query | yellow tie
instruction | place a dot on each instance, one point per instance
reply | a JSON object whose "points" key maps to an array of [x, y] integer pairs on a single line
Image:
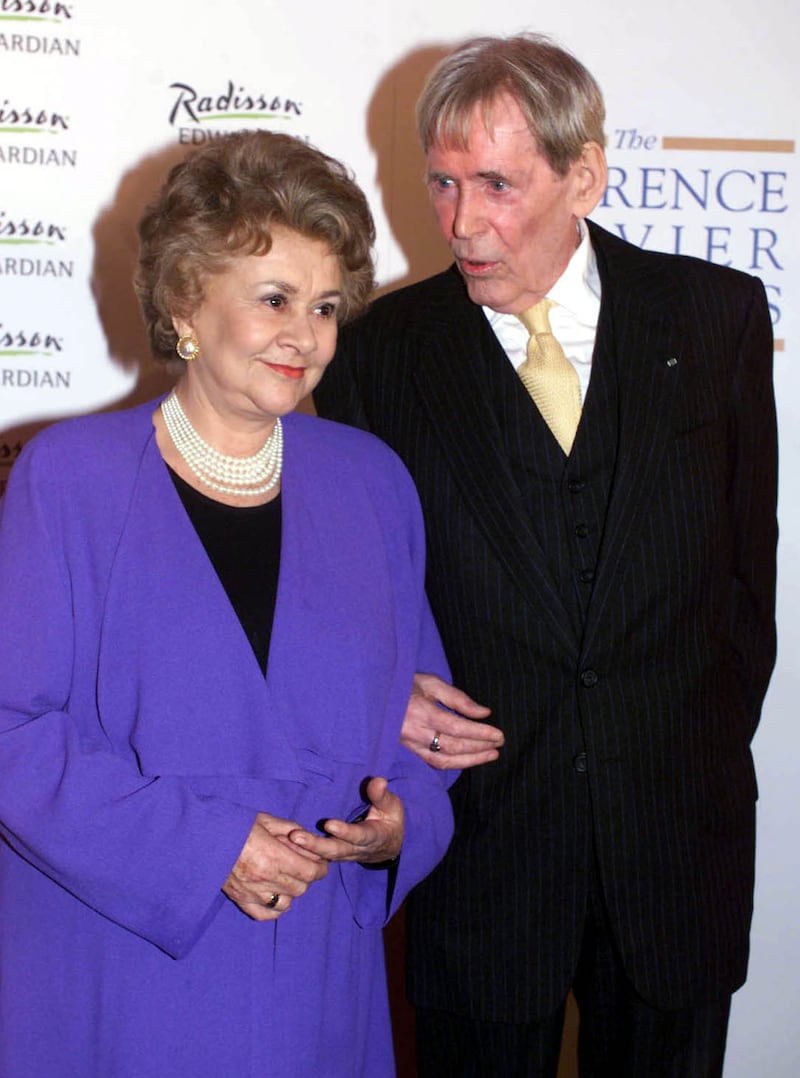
{"points": [[549, 376]]}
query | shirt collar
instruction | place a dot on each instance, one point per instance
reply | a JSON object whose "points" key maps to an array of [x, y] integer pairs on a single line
{"points": [[578, 287]]}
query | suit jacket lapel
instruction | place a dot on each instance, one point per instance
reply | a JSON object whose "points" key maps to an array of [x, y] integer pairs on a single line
{"points": [[641, 333], [445, 375]]}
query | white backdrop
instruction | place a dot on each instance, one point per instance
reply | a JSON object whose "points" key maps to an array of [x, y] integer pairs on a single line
{"points": [[97, 99]]}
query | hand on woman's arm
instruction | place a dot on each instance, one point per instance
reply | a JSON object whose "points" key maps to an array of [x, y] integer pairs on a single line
{"points": [[435, 728], [269, 865]]}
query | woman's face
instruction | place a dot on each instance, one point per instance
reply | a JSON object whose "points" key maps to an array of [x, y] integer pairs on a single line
{"points": [[266, 330]]}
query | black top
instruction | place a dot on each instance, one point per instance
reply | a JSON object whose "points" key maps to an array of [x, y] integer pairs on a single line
{"points": [[243, 544]]}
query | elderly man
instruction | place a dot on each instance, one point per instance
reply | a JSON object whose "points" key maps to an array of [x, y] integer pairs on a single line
{"points": [[592, 431]]}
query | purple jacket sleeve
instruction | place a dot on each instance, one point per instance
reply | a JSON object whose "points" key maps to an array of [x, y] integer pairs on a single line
{"points": [[145, 852]]}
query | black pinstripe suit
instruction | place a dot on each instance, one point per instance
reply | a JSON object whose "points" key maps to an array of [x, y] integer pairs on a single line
{"points": [[618, 619]]}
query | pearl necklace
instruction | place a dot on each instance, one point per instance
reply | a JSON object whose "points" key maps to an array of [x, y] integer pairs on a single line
{"points": [[248, 477]]}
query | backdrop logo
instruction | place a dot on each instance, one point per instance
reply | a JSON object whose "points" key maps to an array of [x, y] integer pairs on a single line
{"points": [[196, 112], [15, 344], [23, 120], [38, 125], [24, 231], [35, 11], [22, 26], [25, 248], [720, 199]]}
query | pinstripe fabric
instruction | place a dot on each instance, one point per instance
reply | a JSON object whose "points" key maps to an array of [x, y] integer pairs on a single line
{"points": [[656, 671]]}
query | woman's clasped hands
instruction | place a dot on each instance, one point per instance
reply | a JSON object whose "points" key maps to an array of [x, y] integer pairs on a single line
{"points": [[280, 859]]}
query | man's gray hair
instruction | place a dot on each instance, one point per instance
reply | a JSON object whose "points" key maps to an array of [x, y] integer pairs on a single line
{"points": [[560, 99]]}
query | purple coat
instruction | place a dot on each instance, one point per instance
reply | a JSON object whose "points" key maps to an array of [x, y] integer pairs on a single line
{"points": [[138, 739]]}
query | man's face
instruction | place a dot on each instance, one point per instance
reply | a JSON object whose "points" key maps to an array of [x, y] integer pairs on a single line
{"points": [[510, 220]]}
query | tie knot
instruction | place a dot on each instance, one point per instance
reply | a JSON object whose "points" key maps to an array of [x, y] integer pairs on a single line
{"points": [[535, 319]]}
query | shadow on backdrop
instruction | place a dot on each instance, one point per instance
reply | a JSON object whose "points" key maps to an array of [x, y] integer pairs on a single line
{"points": [[400, 165]]}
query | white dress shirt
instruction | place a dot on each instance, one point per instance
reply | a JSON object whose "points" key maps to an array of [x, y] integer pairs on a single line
{"points": [[574, 319]]}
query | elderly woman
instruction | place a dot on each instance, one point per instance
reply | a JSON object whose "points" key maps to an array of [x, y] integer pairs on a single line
{"points": [[212, 613]]}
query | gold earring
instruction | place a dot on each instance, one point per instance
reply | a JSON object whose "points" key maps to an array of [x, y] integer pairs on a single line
{"points": [[187, 348]]}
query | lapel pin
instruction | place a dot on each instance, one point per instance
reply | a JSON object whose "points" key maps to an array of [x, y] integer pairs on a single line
{"points": [[672, 362]]}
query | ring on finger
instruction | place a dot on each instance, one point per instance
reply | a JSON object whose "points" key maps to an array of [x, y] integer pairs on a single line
{"points": [[435, 746], [274, 900]]}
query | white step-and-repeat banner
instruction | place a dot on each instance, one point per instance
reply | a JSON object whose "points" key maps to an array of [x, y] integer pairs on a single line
{"points": [[97, 99]]}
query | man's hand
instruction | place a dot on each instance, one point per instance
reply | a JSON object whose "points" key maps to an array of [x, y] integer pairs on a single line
{"points": [[437, 731]]}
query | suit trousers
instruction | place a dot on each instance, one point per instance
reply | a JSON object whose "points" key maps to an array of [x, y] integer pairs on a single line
{"points": [[620, 1035]]}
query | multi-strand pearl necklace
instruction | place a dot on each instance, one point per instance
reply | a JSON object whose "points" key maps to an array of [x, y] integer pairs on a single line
{"points": [[249, 477]]}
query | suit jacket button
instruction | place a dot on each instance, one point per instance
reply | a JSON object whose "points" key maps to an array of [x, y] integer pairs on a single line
{"points": [[589, 679], [581, 531], [587, 576], [580, 763]]}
